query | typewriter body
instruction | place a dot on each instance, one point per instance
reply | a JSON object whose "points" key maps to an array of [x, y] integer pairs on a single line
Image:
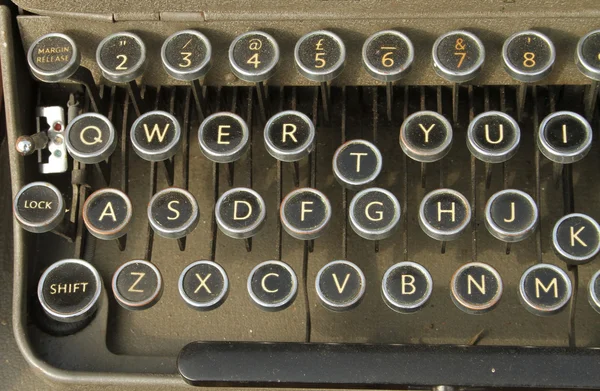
{"points": [[321, 194]]}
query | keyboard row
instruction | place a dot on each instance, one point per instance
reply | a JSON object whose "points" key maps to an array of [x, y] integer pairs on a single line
{"points": [[69, 290], [374, 214]]}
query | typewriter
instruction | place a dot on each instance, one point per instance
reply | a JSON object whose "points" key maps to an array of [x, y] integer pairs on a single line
{"points": [[320, 194]]}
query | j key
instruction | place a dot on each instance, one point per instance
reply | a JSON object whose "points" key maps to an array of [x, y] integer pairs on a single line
{"points": [[137, 285], [272, 285], [576, 238], [444, 214], [374, 213], [528, 56], [545, 289], [476, 288], [107, 213], [406, 287], [565, 137], [357, 163], [39, 207], [173, 213], [204, 285], [340, 285], [493, 137], [426, 136], [511, 215], [305, 213], [458, 56], [240, 213], [90, 138]]}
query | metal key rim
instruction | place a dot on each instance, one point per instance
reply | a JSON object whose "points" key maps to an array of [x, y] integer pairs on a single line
{"points": [[354, 184], [438, 234], [421, 155], [508, 236], [569, 258], [209, 305], [582, 64], [299, 152], [132, 72], [519, 74], [120, 229], [241, 233], [281, 304], [193, 73], [392, 303], [309, 234], [51, 222], [374, 234], [548, 310], [453, 75], [326, 75], [389, 76], [229, 156], [55, 76], [564, 157], [346, 305], [137, 305], [187, 227], [91, 157], [476, 309], [254, 76], [489, 156], [163, 153]]}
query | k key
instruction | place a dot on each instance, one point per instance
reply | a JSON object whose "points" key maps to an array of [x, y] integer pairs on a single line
{"points": [[576, 238]]}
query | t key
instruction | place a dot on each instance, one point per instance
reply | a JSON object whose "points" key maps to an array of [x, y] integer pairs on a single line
{"points": [[357, 163]]}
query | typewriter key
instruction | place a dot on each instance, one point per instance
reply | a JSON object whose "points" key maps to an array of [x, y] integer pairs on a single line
{"points": [[565, 137], [186, 55], [107, 213], [254, 56], [587, 58], [223, 137], [528, 56], [476, 288], [54, 57], [204, 285], [406, 287], [594, 291], [305, 213], [240, 213], [90, 138], [444, 214], [137, 285], [173, 213], [493, 137], [340, 285], [544, 289], [511, 215], [39, 207], [357, 163], [320, 56], [289, 136], [374, 213], [155, 136], [576, 238], [272, 285], [458, 56], [69, 290], [426, 136]]}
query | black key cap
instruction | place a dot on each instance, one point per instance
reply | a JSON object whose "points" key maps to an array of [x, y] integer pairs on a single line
{"points": [[374, 213], [545, 289], [254, 56], [223, 137], [39, 207], [357, 163], [320, 56], [340, 285], [476, 288], [426, 136], [576, 238], [289, 136], [272, 285], [137, 285], [511, 215], [458, 56], [493, 137], [156, 136], [565, 137], [444, 214], [528, 56], [173, 213], [204, 285], [305, 213], [406, 287], [240, 213], [90, 138], [387, 55], [107, 213]]}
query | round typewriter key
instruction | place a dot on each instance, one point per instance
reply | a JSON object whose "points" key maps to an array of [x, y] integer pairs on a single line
{"points": [[107, 213], [458, 56], [320, 56], [305, 213], [121, 57], [356, 163], [340, 285], [588, 55], [374, 213], [444, 214], [173, 213], [240, 213], [594, 291], [254, 56], [528, 56], [576, 238], [69, 290], [493, 137], [223, 137], [137, 285], [476, 288], [426, 136], [272, 285], [511, 215], [186, 55], [387, 55], [406, 287], [289, 136], [544, 289], [39, 207], [204, 285], [156, 136], [53, 57], [90, 138], [565, 137]]}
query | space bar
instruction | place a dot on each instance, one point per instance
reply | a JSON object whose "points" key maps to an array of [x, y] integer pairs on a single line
{"points": [[317, 365]]}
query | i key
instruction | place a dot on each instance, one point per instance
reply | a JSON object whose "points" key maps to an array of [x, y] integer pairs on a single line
{"points": [[357, 163], [173, 213], [406, 287], [90, 139], [493, 137], [587, 59], [289, 137], [203, 285], [187, 56], [458, 57], [511, 216], [545, 289], [340, 285], [254, 57], [156, 137], [272, 286], [54, 57], [528, 57], [320, 56], [107, 214], [39, 207], [223, 138], [305, 213], [426, 137], [388, 56], [137, 285], [241, 214], [476, 288], [122, 59], [444, 214], [576, 239]]}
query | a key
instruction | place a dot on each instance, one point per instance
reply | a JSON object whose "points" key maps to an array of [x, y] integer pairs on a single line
{"points": [[173, 213], [107, 214], [476, 288], [406, 287], [137, 285], [204, 285], [272, 286], [545, 289], [340, 285], [357, 163]]}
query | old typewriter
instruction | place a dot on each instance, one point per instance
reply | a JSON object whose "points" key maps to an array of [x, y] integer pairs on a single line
{"points": [[320, 194]]}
